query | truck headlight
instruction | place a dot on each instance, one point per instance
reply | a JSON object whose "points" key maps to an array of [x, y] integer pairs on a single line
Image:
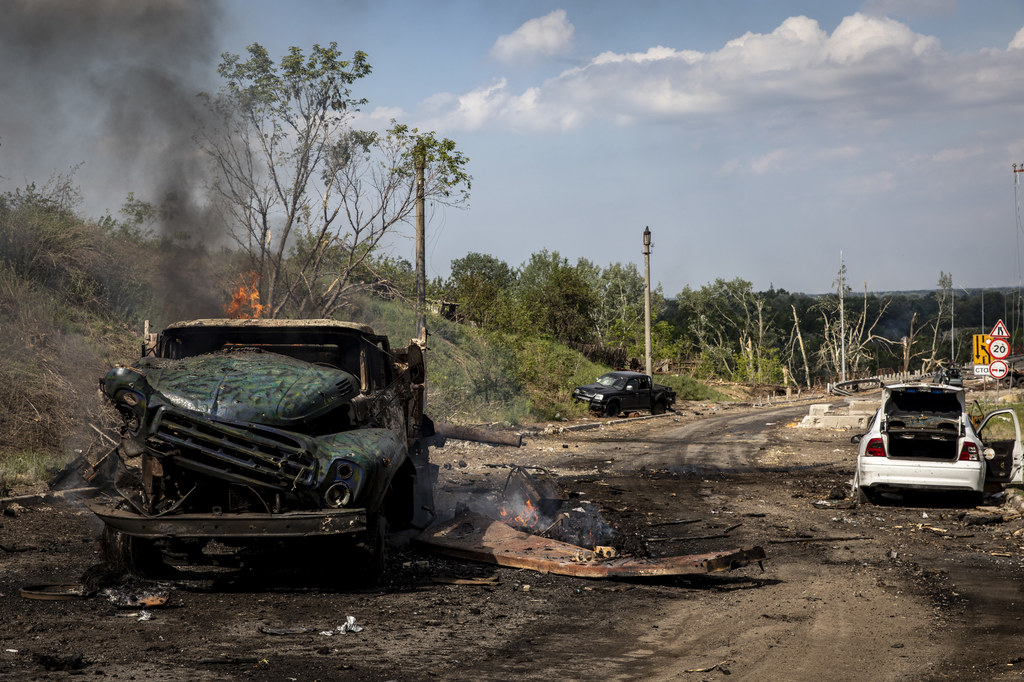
{"points": [[598, 397], [337, 496]]}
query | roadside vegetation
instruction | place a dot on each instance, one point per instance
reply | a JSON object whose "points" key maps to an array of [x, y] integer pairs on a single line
{"points": [[75, 294]]}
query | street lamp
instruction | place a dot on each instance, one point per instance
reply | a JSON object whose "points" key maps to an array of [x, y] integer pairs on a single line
{"points": [[647, 302]]}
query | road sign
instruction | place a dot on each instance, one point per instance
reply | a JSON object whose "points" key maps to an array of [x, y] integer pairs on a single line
{"points": [[998, 369], [1000, 330], [981, 354], [998, 348], [981, 370]]}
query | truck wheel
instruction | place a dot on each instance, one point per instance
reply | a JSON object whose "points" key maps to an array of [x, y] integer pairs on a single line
{"points": [[374, 550], [611, 409], [129, 554], [658, 407]]}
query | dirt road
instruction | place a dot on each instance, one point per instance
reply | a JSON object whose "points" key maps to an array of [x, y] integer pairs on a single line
{"points": [[915, 589]]}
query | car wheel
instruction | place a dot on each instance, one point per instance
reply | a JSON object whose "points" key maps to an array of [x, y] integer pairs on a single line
{"points": [[611, 409], [866, 496], [374, 549]]}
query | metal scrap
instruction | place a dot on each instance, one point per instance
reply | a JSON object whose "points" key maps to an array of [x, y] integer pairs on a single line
{"points": [[478, 538]]}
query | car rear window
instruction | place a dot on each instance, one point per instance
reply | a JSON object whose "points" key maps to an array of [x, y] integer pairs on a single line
{"points": [[928, 401]]}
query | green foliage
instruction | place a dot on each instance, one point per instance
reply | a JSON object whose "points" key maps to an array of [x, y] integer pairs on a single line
{"points": [[443, 164], [688, 388], [310, 198], [548, 371], [478, 282], [552, 299], [304, 85]]}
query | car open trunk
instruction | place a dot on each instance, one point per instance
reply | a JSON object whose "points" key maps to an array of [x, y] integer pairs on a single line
{"points": [[923, 423], [935, 444]]}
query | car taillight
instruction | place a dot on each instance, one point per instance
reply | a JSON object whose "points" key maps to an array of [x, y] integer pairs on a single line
{"points": [[875, 448], [969, 452]]}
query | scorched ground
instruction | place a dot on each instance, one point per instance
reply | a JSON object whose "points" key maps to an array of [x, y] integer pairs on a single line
{"points": [[924, 589]]}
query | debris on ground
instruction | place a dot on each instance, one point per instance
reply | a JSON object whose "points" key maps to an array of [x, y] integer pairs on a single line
{"points": [[478, 538]]}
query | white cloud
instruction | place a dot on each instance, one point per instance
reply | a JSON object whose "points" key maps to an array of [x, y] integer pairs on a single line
{"points": [[867, 72], [956, 154], [542, 37], [1018, 40], [771, 161], [787, 159], [378, 119]]}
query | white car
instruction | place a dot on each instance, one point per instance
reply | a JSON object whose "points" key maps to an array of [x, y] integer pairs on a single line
{"points": [[923, 438]]}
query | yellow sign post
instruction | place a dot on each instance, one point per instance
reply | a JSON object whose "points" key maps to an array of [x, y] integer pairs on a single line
{"points": [[981, 354]]}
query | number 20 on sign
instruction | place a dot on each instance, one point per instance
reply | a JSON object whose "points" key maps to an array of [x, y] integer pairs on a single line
{"points": [[999, 349]]}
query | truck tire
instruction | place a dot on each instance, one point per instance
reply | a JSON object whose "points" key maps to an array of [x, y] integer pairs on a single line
{"points": [[612, 409], [658, 407], [373, 551], [131, 555]]}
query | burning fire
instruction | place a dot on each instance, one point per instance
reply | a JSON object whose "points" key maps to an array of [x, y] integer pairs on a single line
{"points": [[245, 302], [526, 516]]}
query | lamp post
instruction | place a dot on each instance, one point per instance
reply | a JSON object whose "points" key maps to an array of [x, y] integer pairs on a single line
{"points": [[647, 301]]}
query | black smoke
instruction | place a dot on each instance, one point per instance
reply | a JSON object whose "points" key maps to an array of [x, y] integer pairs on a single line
{"points": [[111, 85], [110, 88]]}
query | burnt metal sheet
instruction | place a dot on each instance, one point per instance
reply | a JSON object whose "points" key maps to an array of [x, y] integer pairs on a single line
{"points": [[232, 525], [479, 538]]}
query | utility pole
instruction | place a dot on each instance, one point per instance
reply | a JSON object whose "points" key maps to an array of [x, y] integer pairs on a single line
{"points": [[421, 246], [647, 301], [842, 321]]}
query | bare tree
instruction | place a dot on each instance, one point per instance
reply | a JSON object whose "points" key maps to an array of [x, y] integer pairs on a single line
{"points": [[309, 198], [860, 336]]}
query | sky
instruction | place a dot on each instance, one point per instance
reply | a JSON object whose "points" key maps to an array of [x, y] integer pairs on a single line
{"points": [[756, 139]]}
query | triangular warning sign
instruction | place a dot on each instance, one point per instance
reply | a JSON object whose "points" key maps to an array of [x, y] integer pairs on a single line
{"points": [[1000, 330]]}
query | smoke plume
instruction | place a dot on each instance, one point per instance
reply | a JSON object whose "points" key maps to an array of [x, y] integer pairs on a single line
{"points": [[111, 85], [109, 89]]}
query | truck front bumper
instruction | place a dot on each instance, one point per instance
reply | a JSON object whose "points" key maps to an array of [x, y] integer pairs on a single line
{"points": [[295, 524]]}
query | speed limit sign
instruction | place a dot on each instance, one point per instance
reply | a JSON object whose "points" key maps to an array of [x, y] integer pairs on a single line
{"points": [[999, 349], [998, 369]]}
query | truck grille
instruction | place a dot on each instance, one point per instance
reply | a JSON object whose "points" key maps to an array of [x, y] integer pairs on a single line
{"points": [[267, 457]]}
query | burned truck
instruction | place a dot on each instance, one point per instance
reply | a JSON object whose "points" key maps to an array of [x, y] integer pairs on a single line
{"points": [[244, 431]]}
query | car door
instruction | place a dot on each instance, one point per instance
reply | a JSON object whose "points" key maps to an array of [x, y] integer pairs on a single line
{"points": [[1000, 437], [630, 400]]}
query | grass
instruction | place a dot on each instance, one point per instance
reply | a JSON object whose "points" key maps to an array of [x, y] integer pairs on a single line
{"points": [[688, 388], [29, 467]]}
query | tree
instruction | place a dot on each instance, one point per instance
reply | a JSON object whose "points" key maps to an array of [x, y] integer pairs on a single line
{"points": [[619, 315], [555, 298], [477, 282], [733, 329], [945, 302], [858, 335], [309, 198]]}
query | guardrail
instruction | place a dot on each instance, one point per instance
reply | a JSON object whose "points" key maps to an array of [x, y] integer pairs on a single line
{"points": [[851, 386]]}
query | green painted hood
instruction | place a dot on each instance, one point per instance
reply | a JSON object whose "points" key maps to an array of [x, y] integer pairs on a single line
{"points": [[248, 386]]}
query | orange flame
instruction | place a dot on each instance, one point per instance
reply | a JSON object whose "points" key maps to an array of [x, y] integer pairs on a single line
{"points": [[526, 517], [245, 302]]}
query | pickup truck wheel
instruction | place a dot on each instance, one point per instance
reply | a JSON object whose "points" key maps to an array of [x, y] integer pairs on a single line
{"points": [[658, 407], [611, 409]]}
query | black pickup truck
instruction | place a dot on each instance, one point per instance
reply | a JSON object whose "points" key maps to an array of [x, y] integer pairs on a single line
{"points": [[617, 392]]}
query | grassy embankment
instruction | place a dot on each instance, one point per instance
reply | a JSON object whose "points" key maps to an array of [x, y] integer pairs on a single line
{"points": [[74, 294]]}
